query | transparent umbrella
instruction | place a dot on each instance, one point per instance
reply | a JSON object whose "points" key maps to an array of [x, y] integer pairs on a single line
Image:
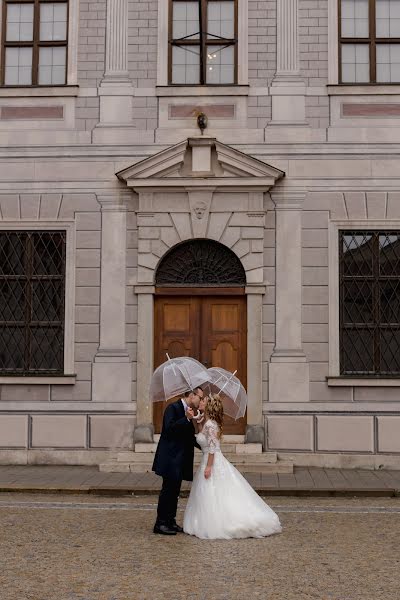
{"points": [[232, 392], [176, 376]]}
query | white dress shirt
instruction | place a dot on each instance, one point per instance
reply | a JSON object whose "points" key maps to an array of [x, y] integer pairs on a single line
{"points": [[185, 406]]}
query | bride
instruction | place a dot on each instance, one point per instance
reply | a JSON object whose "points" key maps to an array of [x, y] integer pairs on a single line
{"points": [[222, 504]]}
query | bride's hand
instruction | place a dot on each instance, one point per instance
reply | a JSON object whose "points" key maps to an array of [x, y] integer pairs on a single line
{"points": [[207, 472]]}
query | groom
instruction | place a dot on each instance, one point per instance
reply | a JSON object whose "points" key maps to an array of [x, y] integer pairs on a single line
{"points": [[174, 458]]}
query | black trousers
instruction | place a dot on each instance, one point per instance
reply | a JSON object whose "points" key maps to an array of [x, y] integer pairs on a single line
{"points": [[168, 501]]}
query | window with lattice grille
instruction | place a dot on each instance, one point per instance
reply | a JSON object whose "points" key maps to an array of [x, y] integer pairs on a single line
{"points": [[32, 302], [369, 276]]}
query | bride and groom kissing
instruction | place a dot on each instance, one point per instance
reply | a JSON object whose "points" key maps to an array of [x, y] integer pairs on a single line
{"points": [[221, 504]]}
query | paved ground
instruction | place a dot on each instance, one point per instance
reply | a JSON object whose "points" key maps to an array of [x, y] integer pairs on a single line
{"points": [[308, 481], [67, 547]]}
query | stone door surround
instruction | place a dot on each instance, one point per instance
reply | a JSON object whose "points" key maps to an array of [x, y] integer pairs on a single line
{"points": [[200, 188]]}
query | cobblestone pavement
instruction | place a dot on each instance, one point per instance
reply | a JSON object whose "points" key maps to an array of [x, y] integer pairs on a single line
{"points": [[55, 547]]}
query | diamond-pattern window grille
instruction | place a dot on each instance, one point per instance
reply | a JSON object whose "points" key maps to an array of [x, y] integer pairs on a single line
{"points": [[32, 302], [201, 263], [369, 272]]}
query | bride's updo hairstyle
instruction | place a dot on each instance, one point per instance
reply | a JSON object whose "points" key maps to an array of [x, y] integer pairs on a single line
{"points": [[215, 410]]}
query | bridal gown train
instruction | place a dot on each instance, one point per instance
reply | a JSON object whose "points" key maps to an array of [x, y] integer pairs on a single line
{"points": [[225, 506]]}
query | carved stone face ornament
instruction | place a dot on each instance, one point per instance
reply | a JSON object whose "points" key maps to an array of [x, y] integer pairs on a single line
{"points": [[200, 209]]}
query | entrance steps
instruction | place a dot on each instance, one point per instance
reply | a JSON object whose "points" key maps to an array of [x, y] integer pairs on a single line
{"points": [[247, 458]]}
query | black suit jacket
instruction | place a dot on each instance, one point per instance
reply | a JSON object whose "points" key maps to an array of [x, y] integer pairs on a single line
{"points": [[175, 450]]}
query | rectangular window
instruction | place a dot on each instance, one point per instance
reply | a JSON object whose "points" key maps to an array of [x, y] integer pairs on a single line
{"points": [[369, 306], [203, 42], [32, 302], [34, 42], [369, 33]]}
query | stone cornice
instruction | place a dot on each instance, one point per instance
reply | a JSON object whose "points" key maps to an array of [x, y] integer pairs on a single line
{"points": [[222, 183], [288, 199], [114, 201]]}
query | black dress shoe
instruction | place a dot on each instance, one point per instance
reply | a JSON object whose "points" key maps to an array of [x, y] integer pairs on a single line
{"points": [[176, 527], [164, 530]]}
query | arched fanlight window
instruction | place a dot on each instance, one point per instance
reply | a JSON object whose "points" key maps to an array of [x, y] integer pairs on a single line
{"points": [[200, 263]]}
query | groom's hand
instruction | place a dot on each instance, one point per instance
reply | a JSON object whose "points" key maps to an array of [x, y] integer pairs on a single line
{"points": [[189, 413]]}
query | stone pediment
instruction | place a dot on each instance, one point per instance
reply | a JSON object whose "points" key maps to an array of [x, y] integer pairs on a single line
{"points": [[200, 162]]}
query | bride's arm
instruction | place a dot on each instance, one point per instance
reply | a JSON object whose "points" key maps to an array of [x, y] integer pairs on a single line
{"points": [[210, 462], [213, 445]]}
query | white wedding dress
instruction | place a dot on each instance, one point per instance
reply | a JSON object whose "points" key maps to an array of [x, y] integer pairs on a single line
{"points": [[225, 506]]}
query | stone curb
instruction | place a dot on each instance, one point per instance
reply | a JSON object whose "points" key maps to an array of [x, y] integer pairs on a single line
{"points": [[146, 491]]}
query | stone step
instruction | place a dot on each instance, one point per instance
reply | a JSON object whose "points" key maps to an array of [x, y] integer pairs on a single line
{"points": [[230, 438], [227, 447], [264, 457], [134, 467], [147, 457]]}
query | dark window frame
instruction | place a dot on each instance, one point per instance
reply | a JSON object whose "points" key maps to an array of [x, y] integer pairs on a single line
{"points": [[35, 44], [379, 324], [372, 42], [202, 43], [28, 279]]}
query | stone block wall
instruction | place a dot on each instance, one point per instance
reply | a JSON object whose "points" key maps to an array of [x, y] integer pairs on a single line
{"points": [[142, 60], [262, 42], [84, 209], [345, 440], [142, 42], [364, 430], [87, 113], [92, 36], [313, 41], [34, 422]]}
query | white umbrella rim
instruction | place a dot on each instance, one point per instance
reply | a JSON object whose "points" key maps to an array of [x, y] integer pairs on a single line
{"points": [[189, 384], [241, 409]]}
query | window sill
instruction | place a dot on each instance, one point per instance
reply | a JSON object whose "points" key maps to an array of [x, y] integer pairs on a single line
{"points": [[363, 382], [202, 90], [356, 89], [32, 91], [49, 380]]}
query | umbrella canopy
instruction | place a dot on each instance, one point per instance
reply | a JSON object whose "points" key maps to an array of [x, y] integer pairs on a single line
{"points": [[230, 389], [175, 377]]}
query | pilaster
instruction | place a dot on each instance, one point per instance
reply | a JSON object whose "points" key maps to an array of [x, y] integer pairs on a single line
{"points": [[255, 424], [117, 41], [112, 368], [288, 88], [116, 89], [288, 369], [144, 408]]}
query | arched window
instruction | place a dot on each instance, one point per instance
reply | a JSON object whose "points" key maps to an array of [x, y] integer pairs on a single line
{"points": [[200, 263]]}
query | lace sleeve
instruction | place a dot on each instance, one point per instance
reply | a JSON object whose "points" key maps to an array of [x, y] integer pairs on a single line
{"points": [[211, 432]]}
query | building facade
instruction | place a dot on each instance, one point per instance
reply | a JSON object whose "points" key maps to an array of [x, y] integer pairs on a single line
{"points": [[218, 178]]}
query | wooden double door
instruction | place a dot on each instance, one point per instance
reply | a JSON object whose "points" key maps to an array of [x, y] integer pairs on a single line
{"points": [[212, 329]]}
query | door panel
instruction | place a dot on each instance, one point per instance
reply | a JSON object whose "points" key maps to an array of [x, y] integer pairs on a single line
{"points": [[211, 329], [176, 333], [223, 342]]}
